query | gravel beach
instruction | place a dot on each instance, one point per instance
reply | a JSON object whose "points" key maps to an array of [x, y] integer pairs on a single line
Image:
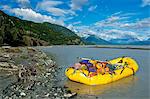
{"points": [[29, 73]]}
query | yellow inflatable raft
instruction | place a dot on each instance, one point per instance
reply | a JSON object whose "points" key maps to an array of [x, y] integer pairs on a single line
{"points": [[81, 75]]}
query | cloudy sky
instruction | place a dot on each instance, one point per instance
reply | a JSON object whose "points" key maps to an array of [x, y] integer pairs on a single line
{"points": [[108, 19]]}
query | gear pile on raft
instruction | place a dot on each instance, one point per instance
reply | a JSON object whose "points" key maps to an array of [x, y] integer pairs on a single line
{"points": [[95, 72]]}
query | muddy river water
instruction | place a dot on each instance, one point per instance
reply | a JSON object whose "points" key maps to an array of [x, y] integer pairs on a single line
{"points": [[133, 87]]}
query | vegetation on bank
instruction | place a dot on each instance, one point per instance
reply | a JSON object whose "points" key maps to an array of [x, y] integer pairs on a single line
{"points": [[17, 32]]}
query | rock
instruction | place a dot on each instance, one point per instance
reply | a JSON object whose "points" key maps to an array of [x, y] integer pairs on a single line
{"points": [[47, 95], [49, 62], [69, 95], [4, 64], [49, 70], [13, 66], [8, 66], [3, 59], [31, 50], [30, 86], [48, 74], [6, 97], [59, 89], [13, 50], [6, 55], [58, 98], [37, 96], [55, 94], [6, 47], [22, 94]]}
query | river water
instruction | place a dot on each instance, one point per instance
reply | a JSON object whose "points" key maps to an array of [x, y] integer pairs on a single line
{"points": [[133, 87]]}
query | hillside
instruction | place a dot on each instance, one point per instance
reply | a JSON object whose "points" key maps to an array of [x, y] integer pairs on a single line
{"points": [[17, 32]]}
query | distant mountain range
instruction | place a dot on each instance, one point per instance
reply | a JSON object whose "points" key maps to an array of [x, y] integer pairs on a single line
{"points": [[93, 39], [146, 42], [17, 32], [130, 41], [127, 40]]}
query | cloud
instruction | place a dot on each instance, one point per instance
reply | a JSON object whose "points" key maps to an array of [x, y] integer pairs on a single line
{"points": [[118, 34], [56, 11], [77, 4], [77, 22], [115, 20], [23, 3], [109, 34], [46, 3], [51, 7], [92, 8], [139, 25], [145, 3], [117, 26], [31, 15]]}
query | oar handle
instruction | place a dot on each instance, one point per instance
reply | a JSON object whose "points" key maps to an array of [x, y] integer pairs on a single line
{"points": [[91, 59], [83, 58]]}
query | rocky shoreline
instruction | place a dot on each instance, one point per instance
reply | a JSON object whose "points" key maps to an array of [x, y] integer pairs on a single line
{"points": [[33, 72]]}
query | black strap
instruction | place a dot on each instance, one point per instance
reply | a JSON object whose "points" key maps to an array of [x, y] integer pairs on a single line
{"points": [[122, 70], [132, 70], [121, 61], [84, 74]]}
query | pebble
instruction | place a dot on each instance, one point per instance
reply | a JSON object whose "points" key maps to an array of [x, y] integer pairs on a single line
{"points": [[37, 96], [69, 95], [48, 74], [4, 64], [58, 98], [22, 94], [6, 47], [59, 89], [47, 95], [6, 55], [55, 94]]}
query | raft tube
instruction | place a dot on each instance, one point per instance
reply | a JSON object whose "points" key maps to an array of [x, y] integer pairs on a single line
{"points": [[81, 75]]}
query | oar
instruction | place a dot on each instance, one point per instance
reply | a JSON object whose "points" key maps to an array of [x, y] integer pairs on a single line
{"points": [[90, 59], [83, 58]]}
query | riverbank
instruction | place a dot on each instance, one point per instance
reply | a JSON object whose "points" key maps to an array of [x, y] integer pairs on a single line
{"points": [[29, 73], [122, 47]]}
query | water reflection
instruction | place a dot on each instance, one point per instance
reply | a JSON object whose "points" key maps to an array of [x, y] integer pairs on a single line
{"points": [[120, 85]]}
